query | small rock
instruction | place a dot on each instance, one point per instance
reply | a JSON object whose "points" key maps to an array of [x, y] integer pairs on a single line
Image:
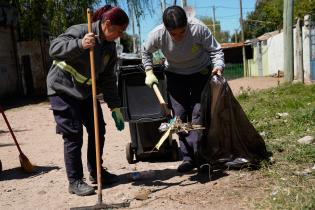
{"points": [[42, 192], [313, 168], [306, 140], [143, 194], [282, 115]]}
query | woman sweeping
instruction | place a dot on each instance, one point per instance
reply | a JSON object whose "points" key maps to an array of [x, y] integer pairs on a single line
{"points": [[70, 94]]}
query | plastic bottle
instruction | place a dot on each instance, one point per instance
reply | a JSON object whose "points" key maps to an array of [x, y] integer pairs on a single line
{"points": [[140, 175]]}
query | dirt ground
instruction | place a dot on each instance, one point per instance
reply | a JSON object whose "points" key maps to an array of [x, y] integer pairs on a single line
{"points": [[46, 188]]}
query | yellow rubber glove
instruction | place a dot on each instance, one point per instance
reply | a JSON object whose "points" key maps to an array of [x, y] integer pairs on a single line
{"points": [[150, 78], [119, 119]]}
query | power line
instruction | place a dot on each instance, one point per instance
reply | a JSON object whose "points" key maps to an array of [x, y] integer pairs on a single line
{"points": [[228, 16], [218, 7]]}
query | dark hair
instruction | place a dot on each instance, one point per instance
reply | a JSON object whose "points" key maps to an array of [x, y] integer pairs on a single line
{"points": [[116, 15], [174, 17]]}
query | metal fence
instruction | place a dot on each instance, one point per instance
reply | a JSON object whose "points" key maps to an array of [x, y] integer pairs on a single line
{"points": [[233, 71]]}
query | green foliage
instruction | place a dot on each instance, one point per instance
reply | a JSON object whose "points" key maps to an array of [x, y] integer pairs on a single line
{"points": [[221, 36], [268, 16], [56, 16], [290, 183], [126, 41]]}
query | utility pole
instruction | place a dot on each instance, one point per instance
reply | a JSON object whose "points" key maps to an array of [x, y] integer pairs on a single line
{"points": [[133, 30], [213, 19], [139, 32], [184, 3], [242, 40], [288, 40], [163, 5], [299, 51]]}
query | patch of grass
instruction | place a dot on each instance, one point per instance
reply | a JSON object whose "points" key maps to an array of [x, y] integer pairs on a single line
{"points": [[267, 111]]}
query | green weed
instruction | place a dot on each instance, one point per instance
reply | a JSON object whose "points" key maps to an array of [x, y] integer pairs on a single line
{"points": [[285, 114]]}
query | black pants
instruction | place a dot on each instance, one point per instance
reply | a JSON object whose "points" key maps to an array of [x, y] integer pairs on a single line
{"points": [[70, 115], [184, 94]]}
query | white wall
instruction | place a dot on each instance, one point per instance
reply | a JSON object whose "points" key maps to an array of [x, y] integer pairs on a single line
{"points": [[275, 53]]}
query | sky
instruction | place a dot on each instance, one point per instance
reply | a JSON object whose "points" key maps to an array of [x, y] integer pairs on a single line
{"points": [[226, 11]]}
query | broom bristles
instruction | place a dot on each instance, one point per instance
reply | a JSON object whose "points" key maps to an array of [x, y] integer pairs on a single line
{"points": [[26, 164]]}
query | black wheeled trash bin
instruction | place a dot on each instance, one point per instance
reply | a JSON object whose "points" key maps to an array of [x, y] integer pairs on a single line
{"points": [[142, 110]]}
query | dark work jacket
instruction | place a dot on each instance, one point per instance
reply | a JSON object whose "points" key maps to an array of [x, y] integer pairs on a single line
{"points": [[228, 134], [68, 47]]}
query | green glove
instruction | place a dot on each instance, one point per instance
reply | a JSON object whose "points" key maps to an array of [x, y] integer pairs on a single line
{"points": [[119, 119], [150, 78]]}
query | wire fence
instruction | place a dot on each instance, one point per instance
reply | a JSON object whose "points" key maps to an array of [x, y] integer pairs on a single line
{"points": [[233, 71]]}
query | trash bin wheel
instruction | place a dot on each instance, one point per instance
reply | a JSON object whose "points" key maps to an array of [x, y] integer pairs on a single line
{"points": [[129, 154], [174, 151]]}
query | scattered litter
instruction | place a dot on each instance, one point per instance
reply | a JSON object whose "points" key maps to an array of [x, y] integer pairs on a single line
{"points": [[262, 134], [141, 175], [177, 126], [306, 172], [275, 191]]}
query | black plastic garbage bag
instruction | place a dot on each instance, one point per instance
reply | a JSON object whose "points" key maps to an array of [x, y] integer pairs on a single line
{"points": [[228, 133]]}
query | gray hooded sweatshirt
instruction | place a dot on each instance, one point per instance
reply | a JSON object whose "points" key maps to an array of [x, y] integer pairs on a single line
{"points": [[197, 51]]}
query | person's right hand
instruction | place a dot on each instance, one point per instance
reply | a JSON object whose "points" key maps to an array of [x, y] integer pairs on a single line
{"points": [[88, 41], [150, 78]]}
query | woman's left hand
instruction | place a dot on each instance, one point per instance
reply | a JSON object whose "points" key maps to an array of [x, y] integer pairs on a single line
{"points": [[118, 118], [217, 70]]}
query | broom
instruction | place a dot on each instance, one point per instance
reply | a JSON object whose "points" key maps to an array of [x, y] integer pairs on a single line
{"points": [[25, 163]]}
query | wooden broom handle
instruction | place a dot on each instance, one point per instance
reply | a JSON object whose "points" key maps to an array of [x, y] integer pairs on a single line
{"points": [[95, 113], [161, 100], [158, 94]]}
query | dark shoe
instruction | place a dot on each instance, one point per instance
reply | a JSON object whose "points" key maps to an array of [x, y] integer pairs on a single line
{"points": [[79, 187], [237, 163], [185, 167], [107, 178]]}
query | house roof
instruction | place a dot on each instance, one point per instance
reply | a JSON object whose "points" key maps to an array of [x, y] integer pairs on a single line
{"points": [[231, 45], [268, 35]]}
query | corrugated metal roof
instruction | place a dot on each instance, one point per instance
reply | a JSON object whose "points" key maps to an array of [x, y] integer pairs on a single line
{"points": [[231, 45]]}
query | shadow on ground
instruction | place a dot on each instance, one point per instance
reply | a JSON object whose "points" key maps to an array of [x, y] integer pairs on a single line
{"points": [[14, 131], [18, 173], [14, 102], [159, 178], [8, 145]]}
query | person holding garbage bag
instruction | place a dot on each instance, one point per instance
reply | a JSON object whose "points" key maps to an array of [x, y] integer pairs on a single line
{"points": [[192, 55], [70, 92]]}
